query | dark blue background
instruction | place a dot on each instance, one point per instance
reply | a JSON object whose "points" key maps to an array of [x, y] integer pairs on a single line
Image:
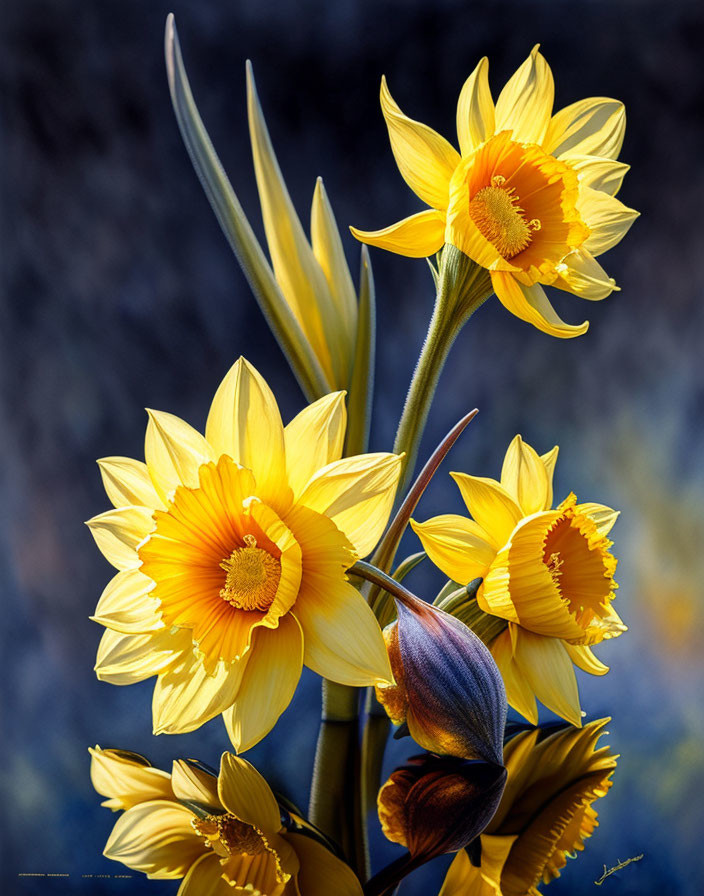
{"points": [[120, 293]]}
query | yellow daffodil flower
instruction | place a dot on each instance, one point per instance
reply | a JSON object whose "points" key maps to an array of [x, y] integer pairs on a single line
{"points": [[548, 573], [222, 834], [530, 196], [232, 549], [546, 813]]}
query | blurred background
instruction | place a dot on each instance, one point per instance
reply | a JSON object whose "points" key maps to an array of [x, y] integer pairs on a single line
{"points": [[120, 292]]}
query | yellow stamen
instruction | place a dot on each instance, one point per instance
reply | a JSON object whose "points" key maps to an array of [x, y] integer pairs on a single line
{"points": [[499, 218], [228, 836], [252, 577]]}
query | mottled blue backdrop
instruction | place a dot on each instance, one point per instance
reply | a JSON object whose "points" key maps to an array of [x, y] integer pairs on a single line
{"points": [[120, 292]]}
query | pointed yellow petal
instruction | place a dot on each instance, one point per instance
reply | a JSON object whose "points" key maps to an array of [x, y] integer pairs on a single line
{"points": [[357, 494], [314, 439], [321, 873], [590, 127], [581, 274], [490, 505], [174, 453], [245, 793], [328, 615], [118, 532], [584, 659], [549, 672], [518, 691], [126, 778], [598, 173], [465, 879], [603, 516], [126, 659], [327, 248], [418, 236], [126, 604], [186, 696], [532, 305], [272, 675], [456, 545], [244, 422], [156, 838], [425, 159], [128, 481], [524, 105], [549, 460], [475, 110], [194, 784], [205, 877], [607, 218], [524, 476], [297, 271]]}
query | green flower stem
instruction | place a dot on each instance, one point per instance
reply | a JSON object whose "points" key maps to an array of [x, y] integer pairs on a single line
{"points": [[335, 795], [374, 738], [462, 287]]}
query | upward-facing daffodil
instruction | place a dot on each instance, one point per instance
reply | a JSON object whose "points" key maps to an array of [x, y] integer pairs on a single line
{"points": [[530, 196], [548, 573], [232, 550]]}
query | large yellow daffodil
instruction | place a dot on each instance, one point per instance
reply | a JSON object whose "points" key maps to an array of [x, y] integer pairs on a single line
{"points": [[545, 814], [222, 834], [548, 573], [530, 196], [232, 549]]}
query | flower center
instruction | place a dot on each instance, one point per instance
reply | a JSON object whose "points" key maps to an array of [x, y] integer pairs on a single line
{"points": [[499, 218], [228, 836], [252, 577]]}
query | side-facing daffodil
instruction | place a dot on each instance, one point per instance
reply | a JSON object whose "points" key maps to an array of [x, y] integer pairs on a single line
{"points": [[222, 834], [548, 573], [529, 197], [545, 815], [232, 550]]}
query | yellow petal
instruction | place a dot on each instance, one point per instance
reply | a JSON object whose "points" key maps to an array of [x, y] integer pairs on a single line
{"points": [[580, 273], [590, 127], [126, 778], [598, 173], [322, 873], [425, 159], [327, 248], [194, 784], [128, 481], [126, 604], [524, 105], [156, 838], [549, 672], [531, 304], [549, 460], [118, 532], [604, 517], [342, 638], [205, 877], [314, 439], [465, 879], [244, 423], [417, 236], [608, 219], [297, 271], [584, 659], [490, 505], [174, 453], [357, 494], [245, 793], [126, 659], [518, 692], [270, 680], [456, 545], [524, 476], [475, 110], [186, 696]]}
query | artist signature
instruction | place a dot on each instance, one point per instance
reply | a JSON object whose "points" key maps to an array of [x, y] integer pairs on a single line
{"points": [[617, 867]]}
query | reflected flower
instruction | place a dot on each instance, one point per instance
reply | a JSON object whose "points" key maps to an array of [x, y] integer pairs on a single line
{"points": [[548, 573]]}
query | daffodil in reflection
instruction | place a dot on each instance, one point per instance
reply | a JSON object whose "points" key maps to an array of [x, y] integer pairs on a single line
{"points": [[549, 573], [232, 550]]}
